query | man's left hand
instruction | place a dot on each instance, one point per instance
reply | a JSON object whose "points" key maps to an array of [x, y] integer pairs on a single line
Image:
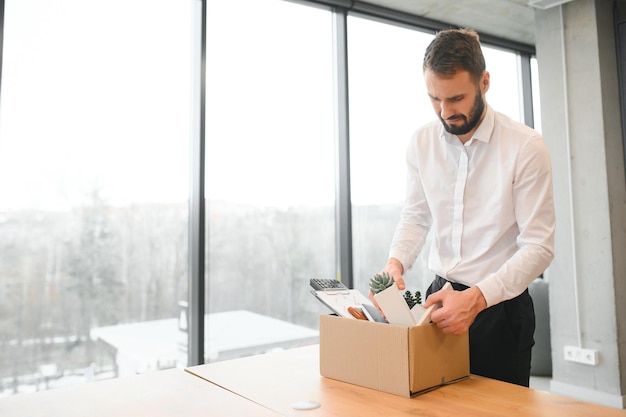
{"points": [[459, 309]]}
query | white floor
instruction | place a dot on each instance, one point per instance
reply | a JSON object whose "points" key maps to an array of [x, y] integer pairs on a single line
{"points": [[541, 383], [544, 383]]}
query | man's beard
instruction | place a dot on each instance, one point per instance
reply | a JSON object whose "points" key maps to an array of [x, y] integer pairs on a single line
{"points": [[474, 118]]}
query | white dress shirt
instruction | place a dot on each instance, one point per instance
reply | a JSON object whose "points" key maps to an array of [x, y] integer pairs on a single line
{"points": [[488, 204]]}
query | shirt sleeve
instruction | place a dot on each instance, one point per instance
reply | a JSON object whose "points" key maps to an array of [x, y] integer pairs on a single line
{"points": [[415, 219], [534, 211]]}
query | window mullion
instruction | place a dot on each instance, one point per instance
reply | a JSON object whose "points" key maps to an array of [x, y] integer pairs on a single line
{"points": [[342, 155]]}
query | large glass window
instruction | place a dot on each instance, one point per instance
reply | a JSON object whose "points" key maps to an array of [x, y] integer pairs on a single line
{"points": [[94, 142], [504, 90], [95, 123], [270, 173], [388, 102]]}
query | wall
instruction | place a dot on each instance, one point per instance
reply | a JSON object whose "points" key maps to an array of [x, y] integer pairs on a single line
{"points": [[581, 125]]}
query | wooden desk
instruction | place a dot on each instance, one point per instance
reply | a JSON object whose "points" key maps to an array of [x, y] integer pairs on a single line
{"points": [[160, 394], [277, 380]]}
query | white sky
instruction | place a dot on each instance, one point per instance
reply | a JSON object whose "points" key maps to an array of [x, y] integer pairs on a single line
{"points": [[95, 97]]}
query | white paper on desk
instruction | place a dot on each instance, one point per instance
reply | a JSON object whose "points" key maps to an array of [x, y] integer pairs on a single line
{"points": [[339, 301]]}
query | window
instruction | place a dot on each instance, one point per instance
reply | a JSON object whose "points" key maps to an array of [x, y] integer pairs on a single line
{"points": [[388, 102], [94, 134], [504, 90], [270, 174], [95, 126]]}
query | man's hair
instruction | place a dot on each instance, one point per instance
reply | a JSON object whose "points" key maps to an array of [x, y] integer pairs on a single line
{"points": [[455, 50]]}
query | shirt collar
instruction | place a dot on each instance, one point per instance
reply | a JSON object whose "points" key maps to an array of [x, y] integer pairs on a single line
{"points": [[485, 128]]}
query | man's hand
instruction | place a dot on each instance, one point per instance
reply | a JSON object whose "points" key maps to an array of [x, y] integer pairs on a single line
{"points": [[459, 309], [395, 269]]}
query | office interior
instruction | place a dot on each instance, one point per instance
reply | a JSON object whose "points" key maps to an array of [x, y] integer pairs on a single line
{"points": [[578, 48]]}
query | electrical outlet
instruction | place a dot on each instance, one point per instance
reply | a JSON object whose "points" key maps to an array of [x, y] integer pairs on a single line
{"points": [[580, 355]]}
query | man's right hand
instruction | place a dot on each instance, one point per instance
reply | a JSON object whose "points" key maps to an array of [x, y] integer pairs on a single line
{"points": [[395, 269]]}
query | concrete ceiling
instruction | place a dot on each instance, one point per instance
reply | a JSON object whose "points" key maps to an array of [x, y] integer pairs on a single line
{"points": [[509, 19]]}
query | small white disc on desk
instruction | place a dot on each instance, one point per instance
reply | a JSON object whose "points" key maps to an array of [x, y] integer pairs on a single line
{"points": [[305, 405]]}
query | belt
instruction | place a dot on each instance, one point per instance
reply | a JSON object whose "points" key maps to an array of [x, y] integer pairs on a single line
{"points": [[457, 286]]}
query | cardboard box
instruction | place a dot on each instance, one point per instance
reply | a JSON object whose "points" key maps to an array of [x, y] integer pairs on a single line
{"points": [[396, 359]]}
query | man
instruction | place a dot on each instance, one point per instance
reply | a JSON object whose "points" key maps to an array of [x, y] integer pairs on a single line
{"points": [[481, 183]]}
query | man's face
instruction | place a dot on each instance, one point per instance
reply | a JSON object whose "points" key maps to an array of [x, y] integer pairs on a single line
{"points": [[458, 101]]}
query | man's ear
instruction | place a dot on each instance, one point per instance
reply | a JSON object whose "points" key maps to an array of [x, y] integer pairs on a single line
{"points": [[484, 82]]}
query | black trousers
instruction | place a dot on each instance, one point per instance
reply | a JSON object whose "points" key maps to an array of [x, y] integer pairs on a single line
{"points": [[501, 337]]}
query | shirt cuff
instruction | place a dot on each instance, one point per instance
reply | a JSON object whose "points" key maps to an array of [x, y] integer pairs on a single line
{"points": [[491, 291], [403, 258]]}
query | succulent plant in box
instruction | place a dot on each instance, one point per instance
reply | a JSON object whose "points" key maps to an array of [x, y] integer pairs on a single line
{"points": [[383, 280], [380, 282]]}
